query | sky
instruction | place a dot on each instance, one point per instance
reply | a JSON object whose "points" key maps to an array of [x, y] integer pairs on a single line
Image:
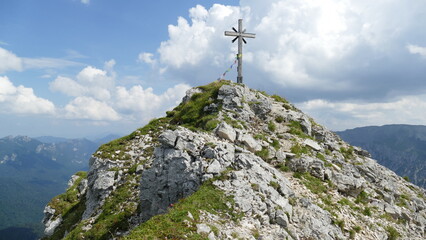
{"points": [[86, 68]]}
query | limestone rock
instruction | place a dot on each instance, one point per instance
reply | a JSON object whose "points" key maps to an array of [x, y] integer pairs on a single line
{"points": [[311, 143], [251, 144], [227, 132]]}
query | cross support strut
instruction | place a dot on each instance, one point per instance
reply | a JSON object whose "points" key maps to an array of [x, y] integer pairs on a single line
{"points": [[240, 35]]}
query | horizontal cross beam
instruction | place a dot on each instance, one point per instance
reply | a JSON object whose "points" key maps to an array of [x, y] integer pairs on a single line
{"points": [[237, 34]]}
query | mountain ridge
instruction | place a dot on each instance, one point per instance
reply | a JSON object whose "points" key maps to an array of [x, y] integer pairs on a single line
{"points": [[400, 147], [231, 162], [31, 173]]}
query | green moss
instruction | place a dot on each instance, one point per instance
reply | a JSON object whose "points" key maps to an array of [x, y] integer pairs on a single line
{"points": [[393, 234], [406, 178], [176, 224]]}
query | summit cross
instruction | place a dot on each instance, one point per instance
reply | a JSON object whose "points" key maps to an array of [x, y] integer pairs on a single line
{"points": [[240, 35]]}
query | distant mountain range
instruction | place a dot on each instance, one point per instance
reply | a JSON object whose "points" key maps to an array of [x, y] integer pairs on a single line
{"points": [[401, 148], [32, 171]]}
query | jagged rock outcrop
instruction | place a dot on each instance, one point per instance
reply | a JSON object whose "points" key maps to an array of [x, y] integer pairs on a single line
{"points": [[265, 171]]}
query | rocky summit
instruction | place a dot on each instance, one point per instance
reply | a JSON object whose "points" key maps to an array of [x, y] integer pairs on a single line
{"points": [[231, 162]]}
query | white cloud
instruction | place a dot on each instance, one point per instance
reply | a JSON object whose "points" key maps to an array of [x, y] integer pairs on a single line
{"points": [[85, 2], [414, 49], [9, 61], [67, 86], [42, 63], [99, 98], [304, 48], [146, 58], [348, 114], [22, 100], [90, 81], [145, 103], [89, 108]]}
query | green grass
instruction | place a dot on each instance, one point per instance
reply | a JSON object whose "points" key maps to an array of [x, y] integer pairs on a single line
{"points": [[114, 217], [233, 123], [296, 129], [367, 211], [362, 198], [393, 234], [66, 201], [264, 153], [72, 217], [321, 157], [69, 206], [176, 224], [192, 114], [299, 150], [340, 223], [279, 98], [314, 184], [279, 119], [275, 185], [272, 127], [108, 150], [260, 137], [348, 153], [275, 144]]}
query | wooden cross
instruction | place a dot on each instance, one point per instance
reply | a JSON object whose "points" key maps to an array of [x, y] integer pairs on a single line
{"points": [[240, 35]]}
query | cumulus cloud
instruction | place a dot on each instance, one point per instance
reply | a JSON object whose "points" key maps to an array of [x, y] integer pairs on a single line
{"points": [[22, 100], [89, 108], [9, 61], [90, 81], [146, 58], [414, 49], [304, 48], [97, 97], [340, 115], [338, 51]]}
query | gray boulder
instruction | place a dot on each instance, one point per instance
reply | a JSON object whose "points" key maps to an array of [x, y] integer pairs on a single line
{"points": [[226, 132]]}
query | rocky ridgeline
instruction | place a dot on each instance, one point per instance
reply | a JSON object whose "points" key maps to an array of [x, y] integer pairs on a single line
{"points": [[233, 163]]}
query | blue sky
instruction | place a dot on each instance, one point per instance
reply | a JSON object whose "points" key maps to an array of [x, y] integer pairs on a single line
{"points": [[76, 68]]}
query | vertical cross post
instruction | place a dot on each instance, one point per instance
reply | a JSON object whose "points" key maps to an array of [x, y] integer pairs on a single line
{"points": [[240, 35]]}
